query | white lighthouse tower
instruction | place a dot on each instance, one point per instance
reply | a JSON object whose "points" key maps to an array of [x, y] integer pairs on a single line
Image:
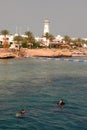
{"points": [[46, 26]]}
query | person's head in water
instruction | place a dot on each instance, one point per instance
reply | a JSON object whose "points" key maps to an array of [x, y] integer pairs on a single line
{"points": [[22, 111], [60, 102]]}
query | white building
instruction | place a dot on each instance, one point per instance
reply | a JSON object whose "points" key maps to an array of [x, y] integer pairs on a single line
{"points": [[46, 26], [59, 38]]}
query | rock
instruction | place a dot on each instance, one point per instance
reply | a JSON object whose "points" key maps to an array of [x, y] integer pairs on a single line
{"points": [[46, 53], [6, 55]]}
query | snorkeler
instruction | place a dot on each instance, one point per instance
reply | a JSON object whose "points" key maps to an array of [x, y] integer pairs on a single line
{"points": [[60, 103], [21, 114]]}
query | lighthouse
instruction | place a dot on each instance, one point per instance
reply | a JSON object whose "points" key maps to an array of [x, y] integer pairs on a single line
{"points": [[46, 26]]}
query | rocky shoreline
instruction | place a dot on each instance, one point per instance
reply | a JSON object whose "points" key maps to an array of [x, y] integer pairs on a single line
{"points": [[6, 53]]}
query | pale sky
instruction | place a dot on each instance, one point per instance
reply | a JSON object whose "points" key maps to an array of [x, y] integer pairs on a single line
{"points": [[67, 17]]}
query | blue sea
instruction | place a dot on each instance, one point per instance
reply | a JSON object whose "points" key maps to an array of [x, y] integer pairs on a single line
{"points": [[36, 85]]}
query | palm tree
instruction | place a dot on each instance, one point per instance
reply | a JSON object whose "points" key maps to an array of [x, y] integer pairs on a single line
{"points": [[5, 32], [5, 42], [30, 37], [78, 42], [67, 39], [18, 39], [49, 37]]}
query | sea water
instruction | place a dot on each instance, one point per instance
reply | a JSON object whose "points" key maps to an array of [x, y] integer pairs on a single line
{"points": [[36, 85]]}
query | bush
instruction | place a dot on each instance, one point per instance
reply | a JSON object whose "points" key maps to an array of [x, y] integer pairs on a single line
{"points": [[24, 45]]}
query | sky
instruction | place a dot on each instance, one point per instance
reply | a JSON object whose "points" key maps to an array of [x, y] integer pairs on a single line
{"points": [[67, 17]]}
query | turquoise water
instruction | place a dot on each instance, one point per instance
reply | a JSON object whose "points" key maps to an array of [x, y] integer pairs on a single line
{"points": [[36, 85]]}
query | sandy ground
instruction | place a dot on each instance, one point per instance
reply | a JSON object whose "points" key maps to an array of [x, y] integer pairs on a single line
{"points": [[55, 52], [6, 53], [47, 53]]}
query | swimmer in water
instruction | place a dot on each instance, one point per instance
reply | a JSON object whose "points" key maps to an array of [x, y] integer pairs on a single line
{"points": [[60, 103], [22, 112]]}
